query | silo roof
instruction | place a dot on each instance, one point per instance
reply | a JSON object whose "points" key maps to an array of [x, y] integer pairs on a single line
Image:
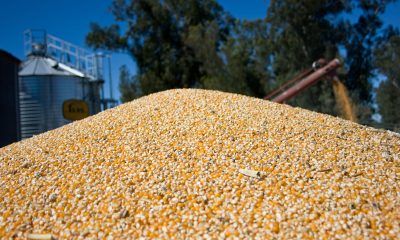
{"points": [[38, 65]]}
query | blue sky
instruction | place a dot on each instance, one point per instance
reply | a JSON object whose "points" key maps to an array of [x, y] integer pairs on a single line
{"points": [[70, 20]]}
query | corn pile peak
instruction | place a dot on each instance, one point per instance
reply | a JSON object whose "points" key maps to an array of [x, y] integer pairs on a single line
{"points": [[203, 164]]}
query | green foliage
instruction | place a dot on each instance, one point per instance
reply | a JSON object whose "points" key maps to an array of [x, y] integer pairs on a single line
{"points": [[388, 93], [128, 85], [388, 96], [164, 38], [247, 55], [360, 41], [306, 30], [196, 44], [302, 32], [180, 44]]}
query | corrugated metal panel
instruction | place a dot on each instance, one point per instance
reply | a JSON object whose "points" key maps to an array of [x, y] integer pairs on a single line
{"points": [[41, 99], [44, 86]]}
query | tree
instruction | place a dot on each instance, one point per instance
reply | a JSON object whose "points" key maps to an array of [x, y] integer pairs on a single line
{"points": [[388, 92], [303, 31], [195, 43], [247, 54], [306, 30], [242, 63], [360, 40], [128, 85], [157, 36]]}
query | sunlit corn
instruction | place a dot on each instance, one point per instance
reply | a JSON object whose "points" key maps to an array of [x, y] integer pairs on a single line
{"points": [[169, 165]]}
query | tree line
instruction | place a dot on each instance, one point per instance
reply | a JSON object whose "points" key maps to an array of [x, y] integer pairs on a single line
{"points": [[197, 44]]}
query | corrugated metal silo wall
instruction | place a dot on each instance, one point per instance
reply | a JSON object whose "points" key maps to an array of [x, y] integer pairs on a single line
{"points": [[41, 99]]}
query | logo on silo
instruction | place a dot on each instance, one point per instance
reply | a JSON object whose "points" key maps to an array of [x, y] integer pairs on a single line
{"points": [[74, 109]]}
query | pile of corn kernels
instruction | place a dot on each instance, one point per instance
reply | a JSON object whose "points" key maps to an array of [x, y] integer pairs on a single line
{"points": [[169, 165]]}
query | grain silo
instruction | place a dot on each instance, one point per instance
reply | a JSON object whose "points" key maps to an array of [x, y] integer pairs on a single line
{"points": [[58, 82]]}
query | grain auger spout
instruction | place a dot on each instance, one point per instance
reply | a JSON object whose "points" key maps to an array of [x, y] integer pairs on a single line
{"points": [[304, 80], [307, 78]]}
